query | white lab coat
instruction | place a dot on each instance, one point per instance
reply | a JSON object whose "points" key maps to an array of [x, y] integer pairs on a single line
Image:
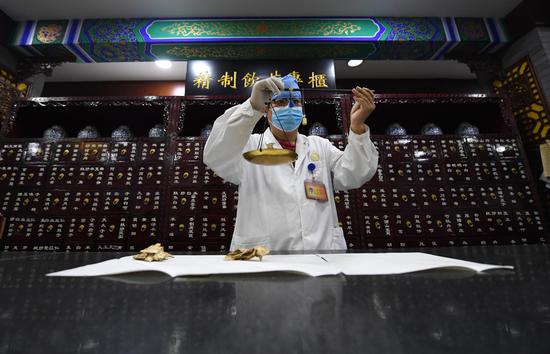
{"points": [[273, 210]]}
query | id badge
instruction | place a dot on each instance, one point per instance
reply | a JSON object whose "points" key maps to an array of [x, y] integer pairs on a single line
{"points": [[315, 190]]}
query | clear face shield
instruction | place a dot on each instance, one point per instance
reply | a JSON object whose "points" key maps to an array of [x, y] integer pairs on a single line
{"points": [[285, 102], [287, 110], [286, 115]]}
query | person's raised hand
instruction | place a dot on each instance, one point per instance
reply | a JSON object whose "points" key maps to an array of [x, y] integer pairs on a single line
{"points": [[263, 90], [362, 108]]}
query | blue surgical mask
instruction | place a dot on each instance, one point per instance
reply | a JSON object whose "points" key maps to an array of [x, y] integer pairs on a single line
{"points": [[287, 118]]}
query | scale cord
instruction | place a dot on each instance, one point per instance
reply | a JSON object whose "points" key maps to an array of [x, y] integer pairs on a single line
{"points": [[263, 131], [265, 126], [282, 128]]}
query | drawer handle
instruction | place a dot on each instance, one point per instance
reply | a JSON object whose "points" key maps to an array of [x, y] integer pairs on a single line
{"points": [[26, 201], [112, 228], [143, 227], [181, 227], [123, 152], [90, 175], [146, 200], [152, 151], [80, 228], [213, 227], [119, 175], [183, 200], [214, 200], [66, 152], [116, 201]]}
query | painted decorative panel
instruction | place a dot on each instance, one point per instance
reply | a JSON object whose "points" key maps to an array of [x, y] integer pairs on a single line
{"points": [[8, 93], [528, 105], [119, 40]]}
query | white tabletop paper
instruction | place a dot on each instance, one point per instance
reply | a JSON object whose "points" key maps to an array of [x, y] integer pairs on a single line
{"points": [[313, 265], [398, 263]]}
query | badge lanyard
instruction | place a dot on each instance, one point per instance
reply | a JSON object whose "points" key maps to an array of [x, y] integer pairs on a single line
{"points": [[315, 189]]}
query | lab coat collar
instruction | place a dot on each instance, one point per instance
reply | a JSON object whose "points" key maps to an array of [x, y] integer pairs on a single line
{"points": [[302, 146], [269, 138]]}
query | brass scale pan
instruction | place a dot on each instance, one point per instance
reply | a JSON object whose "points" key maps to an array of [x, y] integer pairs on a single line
{"points": [[272, 156]]}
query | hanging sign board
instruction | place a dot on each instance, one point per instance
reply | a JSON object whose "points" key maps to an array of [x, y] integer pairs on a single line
{"points": [[223, 78]]}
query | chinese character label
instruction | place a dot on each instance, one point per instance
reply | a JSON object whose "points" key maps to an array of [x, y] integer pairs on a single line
{"points": [[317, 80], [249, 79], [227, 80], [202, 81]]}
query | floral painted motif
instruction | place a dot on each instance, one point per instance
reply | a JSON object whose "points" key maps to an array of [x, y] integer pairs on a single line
{"points": [[49, 33], [472, 29], [266, 51], [112, 40], [259, 28], [421, 29]]}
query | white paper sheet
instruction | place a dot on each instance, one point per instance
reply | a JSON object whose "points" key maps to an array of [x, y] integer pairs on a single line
{"points": [[313, 265], [398, 263]]}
